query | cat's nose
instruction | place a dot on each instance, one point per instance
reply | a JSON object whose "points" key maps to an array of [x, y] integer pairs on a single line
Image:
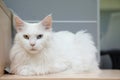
{"points": [[32, 44]]}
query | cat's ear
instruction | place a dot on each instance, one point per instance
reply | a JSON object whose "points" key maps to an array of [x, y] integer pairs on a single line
{"points": [[18, 23], [47, 22]]}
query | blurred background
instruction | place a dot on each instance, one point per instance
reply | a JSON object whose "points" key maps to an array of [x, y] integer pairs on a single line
{"points": [[110, 33]]}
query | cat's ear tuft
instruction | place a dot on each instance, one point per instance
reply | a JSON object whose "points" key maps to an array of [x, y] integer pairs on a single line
{"points": [[18, 23], [47, 22]]}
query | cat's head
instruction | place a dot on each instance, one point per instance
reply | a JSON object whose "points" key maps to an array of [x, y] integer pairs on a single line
{"points": [[33, 37]]}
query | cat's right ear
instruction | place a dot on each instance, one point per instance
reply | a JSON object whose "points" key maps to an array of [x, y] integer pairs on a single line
{"points": [[18, 23], [47, 22]]}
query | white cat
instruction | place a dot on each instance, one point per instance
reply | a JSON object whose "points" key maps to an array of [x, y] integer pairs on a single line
{"points": [[37, 50]]}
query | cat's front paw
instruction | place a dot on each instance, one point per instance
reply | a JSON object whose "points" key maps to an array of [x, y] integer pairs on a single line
{"points": [[59, 67], [26, 71]]}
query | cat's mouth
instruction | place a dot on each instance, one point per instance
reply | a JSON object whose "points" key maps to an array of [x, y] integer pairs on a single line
{"points": [[33, 49]]}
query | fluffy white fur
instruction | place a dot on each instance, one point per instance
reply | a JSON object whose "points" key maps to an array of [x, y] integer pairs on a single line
{"points": [[55, 52]]}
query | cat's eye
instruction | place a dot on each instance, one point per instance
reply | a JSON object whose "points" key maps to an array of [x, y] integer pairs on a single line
{"points": [[39, 36], [26, 36]]}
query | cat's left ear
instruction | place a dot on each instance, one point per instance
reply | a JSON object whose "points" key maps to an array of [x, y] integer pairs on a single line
{"points": [[47, 22]]}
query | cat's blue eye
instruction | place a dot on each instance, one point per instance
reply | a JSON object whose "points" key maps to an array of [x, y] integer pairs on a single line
{"points": [[39, 36], [26, 36]]}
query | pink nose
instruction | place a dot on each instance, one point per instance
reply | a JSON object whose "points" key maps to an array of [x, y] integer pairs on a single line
{"points": [[32, 45]]}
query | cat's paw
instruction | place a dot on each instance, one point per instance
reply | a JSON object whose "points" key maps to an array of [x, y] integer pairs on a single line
{"points": [[26, 71], [59, 67]]}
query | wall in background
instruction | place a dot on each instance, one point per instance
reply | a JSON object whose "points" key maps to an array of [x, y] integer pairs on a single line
{"points": [[61, 9]]}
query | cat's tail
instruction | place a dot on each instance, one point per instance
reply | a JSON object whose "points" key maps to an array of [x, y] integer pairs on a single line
{"points": [[85, 46], [85, 40], [84, 37]]}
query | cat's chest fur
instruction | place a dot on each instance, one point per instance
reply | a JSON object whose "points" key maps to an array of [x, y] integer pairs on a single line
{"points": [[49, 60]]}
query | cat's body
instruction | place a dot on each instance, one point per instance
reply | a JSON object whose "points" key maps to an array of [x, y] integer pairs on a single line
{"points": [[52, 52]]}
